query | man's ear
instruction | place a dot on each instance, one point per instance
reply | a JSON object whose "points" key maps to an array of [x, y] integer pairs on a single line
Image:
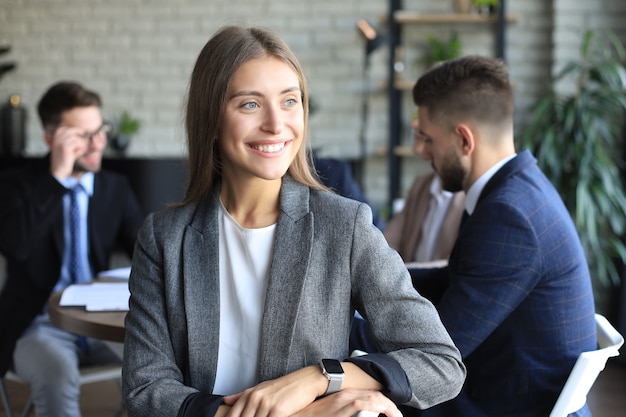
{"points": [[467, 137], [48, 135]]}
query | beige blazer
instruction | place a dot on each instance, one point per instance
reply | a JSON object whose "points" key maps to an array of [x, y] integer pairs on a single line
{"points": [[404, 230]]}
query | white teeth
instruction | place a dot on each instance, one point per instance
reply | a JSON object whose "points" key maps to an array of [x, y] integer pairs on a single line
{"points": [[270, 148]]}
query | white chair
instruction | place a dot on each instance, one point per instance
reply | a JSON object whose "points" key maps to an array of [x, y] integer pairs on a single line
{"points": [[587, 368], [88, 375]]}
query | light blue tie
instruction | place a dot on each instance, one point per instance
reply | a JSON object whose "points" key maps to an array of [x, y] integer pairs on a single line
{"points": [[76, 255]]}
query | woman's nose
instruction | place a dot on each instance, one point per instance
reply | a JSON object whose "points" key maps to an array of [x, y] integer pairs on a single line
{"points": [[273, 120]]}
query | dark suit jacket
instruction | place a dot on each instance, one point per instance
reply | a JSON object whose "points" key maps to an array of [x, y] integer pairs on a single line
{"points": [[519, 305], [31, 239]]}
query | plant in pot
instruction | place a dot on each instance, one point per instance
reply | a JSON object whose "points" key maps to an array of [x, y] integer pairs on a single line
{"points": [[439, 50], [576, 138], [486, 7], [126, 127]]}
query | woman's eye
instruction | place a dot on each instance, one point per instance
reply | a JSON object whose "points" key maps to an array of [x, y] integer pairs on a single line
{"points": [[291, 102], [250, 105]]}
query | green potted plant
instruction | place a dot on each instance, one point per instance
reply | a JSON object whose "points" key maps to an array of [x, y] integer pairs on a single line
{"points": [[126, 127], [576, 138], [486, 7], [439, 50]]}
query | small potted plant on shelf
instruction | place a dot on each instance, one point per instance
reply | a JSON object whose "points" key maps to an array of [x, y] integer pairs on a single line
{"points": [[126, 127], [486, 7], [439, 50]]}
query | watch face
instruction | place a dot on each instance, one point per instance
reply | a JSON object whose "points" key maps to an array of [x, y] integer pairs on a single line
{"points": [[332, 366]]}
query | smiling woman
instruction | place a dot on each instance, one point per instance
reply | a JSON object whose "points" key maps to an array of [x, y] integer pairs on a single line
{"points": [[240, 276], [262, 131]]}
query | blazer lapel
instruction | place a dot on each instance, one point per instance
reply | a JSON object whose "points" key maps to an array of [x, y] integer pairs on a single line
{"points": [[451, 224], [414, 226], [201, 287], [290, 260]]}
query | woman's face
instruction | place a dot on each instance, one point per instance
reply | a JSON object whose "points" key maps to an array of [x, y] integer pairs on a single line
{"points": [[263, 124]]}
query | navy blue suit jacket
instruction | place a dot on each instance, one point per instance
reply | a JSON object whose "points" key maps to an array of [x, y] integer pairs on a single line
{"points": [[519, 305]]}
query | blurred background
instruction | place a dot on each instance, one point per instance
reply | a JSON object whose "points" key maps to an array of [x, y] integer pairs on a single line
{"points": [[139, 53]]}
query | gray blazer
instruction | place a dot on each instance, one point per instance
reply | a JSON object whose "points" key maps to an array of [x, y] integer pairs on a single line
{"points": [[328, 260]]}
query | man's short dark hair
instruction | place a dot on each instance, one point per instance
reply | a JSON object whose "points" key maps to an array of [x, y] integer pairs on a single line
{"points": [[61, 97], [473, 86]]}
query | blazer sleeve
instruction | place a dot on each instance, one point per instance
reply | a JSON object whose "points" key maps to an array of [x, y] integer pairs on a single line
{"points": [[405, 325], [152, 378]]}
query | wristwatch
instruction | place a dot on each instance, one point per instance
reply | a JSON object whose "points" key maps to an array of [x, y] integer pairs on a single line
{"points": [[331, 368]]}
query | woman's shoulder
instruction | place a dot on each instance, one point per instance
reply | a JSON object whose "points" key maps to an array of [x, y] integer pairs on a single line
{"points": [[333, 200], [173, 216], [335, 208]]}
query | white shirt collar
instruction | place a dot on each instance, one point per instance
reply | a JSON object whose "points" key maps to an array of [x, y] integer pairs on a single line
{"points": [[477, 188], [86, 181]]}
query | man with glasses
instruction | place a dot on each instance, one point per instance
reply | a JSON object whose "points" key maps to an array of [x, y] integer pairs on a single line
{"points": [[60, 220]]}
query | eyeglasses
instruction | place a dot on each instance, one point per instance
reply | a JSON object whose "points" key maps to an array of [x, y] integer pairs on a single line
{"points": [[98, 133]]}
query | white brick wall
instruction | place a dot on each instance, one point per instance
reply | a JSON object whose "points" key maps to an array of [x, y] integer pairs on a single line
{"points": [[138, 55], [573, 17]]}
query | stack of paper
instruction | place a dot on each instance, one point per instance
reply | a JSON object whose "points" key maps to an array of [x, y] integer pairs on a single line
{"points": [[117, 273], [97, 296]]}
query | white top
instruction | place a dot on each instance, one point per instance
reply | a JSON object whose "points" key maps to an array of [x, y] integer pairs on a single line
{"points": [[244, 264], [438, 205]]}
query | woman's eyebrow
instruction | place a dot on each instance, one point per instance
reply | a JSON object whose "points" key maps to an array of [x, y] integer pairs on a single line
{"points": [[259, 94]]}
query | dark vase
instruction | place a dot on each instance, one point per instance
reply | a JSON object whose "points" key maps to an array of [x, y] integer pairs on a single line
{"points": [[13, 127], [119, 143]]}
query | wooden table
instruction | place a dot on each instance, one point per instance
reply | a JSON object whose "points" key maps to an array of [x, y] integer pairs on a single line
{"points": [[107, 325]]}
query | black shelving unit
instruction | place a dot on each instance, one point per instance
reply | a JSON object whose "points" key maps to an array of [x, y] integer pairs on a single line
{"points": [[395, 94]]}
